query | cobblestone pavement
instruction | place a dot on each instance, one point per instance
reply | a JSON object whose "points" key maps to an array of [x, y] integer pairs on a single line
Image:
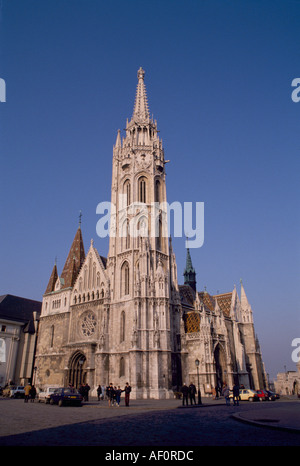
{"points": [[144, 423]]}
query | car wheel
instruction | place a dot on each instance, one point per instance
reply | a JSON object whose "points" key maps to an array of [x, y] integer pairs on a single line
{"points": [[60, 403], [51, 402], [250, 399]]}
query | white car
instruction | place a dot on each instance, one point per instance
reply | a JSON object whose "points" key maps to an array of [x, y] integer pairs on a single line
{"points": [[246, 394], [44, 396], [17, 392]]}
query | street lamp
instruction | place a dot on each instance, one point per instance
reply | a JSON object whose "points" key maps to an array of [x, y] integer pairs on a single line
{"points": [[197, 362]]}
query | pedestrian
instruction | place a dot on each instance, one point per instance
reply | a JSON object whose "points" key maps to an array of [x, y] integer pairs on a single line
{"points": [[27, 392], [225, 393], [86, 391], [236, 394], [185, 394], [127, 391], [192, 393], [110, 394], [217, 392], [213, 392], [118, 395], [99, 392], [32, 393]]}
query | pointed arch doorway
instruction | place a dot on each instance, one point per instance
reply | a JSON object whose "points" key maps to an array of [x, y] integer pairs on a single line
{"points": [[77, 371], [220, 364]]}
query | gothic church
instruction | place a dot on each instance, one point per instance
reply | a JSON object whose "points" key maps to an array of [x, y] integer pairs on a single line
{"points": [[124, 317]]}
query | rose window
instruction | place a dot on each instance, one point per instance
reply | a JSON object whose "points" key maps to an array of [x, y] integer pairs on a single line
{"points": [[88, 324]]}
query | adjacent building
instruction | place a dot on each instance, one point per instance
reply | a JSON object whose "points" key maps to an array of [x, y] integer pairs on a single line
{"points": [[19, 319]]}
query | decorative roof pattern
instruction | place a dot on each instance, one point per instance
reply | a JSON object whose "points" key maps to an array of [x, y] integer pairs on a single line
{"points": [[224, 302]]}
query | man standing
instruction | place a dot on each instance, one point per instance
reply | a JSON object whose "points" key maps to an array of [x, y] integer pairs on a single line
{"points": [[185, 394], [192, 392], [110, 394], [27, 392], [127, 391], [236, 394]]}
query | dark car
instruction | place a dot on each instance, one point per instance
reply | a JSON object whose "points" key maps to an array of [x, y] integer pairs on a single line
{"points": [[272, 396], [66, 396]]}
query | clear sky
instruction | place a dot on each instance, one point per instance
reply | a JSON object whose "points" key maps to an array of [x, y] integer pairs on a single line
{"points": [[218, 78]]}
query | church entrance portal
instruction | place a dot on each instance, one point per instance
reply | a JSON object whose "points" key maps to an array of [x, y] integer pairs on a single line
{"points": [[220, 362], [77, 371]]}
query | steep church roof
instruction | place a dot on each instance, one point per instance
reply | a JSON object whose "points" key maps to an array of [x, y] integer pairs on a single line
{"points": [[52, 280], [74, 261]]}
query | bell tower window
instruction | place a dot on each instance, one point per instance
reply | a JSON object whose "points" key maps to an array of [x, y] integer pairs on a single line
{"points": [[142, 189]]}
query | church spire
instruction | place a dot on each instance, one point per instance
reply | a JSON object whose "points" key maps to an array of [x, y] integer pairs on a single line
{"points": [[52, 280], [74, 260], [141, 109], [189, 271]]}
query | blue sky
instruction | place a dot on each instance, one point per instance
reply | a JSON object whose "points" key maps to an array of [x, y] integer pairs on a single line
{"points": [[218, 78]]}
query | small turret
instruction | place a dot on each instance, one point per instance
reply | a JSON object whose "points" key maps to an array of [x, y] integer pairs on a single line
{"points": [[189, 272]]}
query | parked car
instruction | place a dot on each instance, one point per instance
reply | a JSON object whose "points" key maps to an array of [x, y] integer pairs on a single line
{"points": [[271, 395], [262, 395], [44, 396], [246, 394], [14, 391], [66, 396]]}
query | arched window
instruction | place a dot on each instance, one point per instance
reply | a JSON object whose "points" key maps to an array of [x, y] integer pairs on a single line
{"points": [[125, 279], [159, 242], [122, 327], [51, 336], [157, 191], [127, 192], [122, 367], [142, 192], [126, 235]]}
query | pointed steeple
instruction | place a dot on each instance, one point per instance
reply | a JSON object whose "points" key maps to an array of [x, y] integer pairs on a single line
{"points": [[141, 109], [189, 271], [52, 280], [74, 261], [244, 299], [118, 140]]}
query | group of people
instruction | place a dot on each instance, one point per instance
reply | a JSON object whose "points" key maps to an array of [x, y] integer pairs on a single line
{"points": [[113, 394], [188, 392], [235, 394], [84, 391], [30, 393]]}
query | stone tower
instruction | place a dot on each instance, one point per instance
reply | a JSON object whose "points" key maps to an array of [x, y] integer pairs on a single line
{"points": [[143, 317]]}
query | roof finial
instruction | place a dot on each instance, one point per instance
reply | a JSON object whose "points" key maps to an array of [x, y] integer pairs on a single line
{"points": [[80, 216]]}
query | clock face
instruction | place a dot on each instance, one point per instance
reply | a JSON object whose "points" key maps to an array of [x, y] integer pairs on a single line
{"points": [[88, 324]]}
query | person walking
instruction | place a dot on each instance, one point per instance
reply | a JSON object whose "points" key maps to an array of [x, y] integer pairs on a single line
{"points": [[192, 393], [118, 395], [110, 394], [27, 392], [185, 394], [99, 392], [225, 393], [236, 394], [32, 393], [127, 391]]}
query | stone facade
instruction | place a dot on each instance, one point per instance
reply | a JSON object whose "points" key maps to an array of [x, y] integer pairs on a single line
{"points": [[124, 317]]}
